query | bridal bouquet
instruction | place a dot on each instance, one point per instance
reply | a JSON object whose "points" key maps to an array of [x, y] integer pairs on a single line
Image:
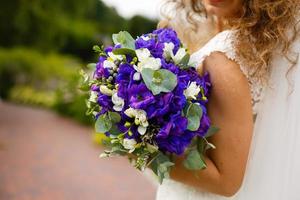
{"points": [[150, 102]]}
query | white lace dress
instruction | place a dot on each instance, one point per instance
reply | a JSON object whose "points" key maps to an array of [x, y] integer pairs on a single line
{"points": [[267, 176]]}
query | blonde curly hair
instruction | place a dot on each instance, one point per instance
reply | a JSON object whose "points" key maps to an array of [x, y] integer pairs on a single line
{"points": [[261, 28]]}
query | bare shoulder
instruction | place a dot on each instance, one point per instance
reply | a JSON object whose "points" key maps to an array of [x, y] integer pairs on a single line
{"points": [[217, 64], [230, 85]]}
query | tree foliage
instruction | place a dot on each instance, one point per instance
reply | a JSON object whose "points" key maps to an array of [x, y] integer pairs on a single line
{"points": [[69, 26]]}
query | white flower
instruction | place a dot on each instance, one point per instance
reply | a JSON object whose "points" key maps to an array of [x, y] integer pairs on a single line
{"points": [[146, 61], [130, 112], [137, 76], [118, 102], [93, 97], [139, 115], [142, 130], [114, 56], [179, 55], [151, 63], [129, 144], [105, 90], [109, 64], [191, 91], [168, 52], [145, 38], [142, 54]]}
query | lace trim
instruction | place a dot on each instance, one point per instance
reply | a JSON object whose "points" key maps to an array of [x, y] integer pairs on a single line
{"points": [[224, 42]]}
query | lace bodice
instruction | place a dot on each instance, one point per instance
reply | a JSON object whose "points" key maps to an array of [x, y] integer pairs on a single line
{"points": [[224, 42]]}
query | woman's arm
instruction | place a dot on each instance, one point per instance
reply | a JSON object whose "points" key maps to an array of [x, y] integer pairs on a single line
{"points": [[230, 109]]}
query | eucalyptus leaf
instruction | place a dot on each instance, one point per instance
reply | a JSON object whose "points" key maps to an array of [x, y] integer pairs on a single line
{"points": [[114, 117], [161, 166], [194, 161], [125, 39], [184, 63], [211, 131], [103, 124], [193, 114], [114, 130], [158, 81], [124, 51]]}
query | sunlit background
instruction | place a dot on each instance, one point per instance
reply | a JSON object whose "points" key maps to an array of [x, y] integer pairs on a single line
{"points": [[47, 146]]}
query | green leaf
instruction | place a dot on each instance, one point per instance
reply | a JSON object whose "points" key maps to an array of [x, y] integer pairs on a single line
{"points": [[125, 39], [114, 130], [158, 81], [97, 49], [211, 131], [161, 166], [124, 51], [151, 148], [84, 81], [114, 117], [185, 61], [193, 113], [194, 161], [103, 124]]}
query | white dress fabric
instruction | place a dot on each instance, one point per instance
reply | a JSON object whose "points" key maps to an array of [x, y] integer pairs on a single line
{"points": [[273, 168]]}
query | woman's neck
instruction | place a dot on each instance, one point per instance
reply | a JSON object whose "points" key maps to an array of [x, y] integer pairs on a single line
{"points": [[219, 24]]}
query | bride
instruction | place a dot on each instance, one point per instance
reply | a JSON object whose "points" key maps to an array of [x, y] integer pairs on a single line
{"points": [[254, 67]]}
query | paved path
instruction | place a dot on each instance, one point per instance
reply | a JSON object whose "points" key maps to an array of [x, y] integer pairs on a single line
{"points": [[44, 156]]}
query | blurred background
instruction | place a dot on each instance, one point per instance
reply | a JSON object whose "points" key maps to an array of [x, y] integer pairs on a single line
{"points": [[44, 43], [46, 148]]}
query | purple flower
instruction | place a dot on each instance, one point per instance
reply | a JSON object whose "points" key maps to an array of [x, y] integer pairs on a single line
{"points": [[140, 96], [155, 48], [108, 49], [100, 70], [95, 88], [173, 136], [204, 124], [161, 106], [166, 35], [105, 102]]}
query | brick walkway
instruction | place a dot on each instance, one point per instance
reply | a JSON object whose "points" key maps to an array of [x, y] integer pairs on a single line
{"points": [[44, 156]]}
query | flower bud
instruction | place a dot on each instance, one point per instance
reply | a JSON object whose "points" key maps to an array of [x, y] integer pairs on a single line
{"points": [[127, 124]]}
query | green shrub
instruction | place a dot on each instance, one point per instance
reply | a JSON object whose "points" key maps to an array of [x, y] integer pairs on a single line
{"points": [[49, 80], [31, 96]]}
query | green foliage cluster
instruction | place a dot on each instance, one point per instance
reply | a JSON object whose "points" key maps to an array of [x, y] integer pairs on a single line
{"points": [[69, 26], [49, 80]]}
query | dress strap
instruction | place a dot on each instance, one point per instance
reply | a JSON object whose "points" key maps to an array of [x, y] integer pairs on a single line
{"points": [[222, 42]]}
